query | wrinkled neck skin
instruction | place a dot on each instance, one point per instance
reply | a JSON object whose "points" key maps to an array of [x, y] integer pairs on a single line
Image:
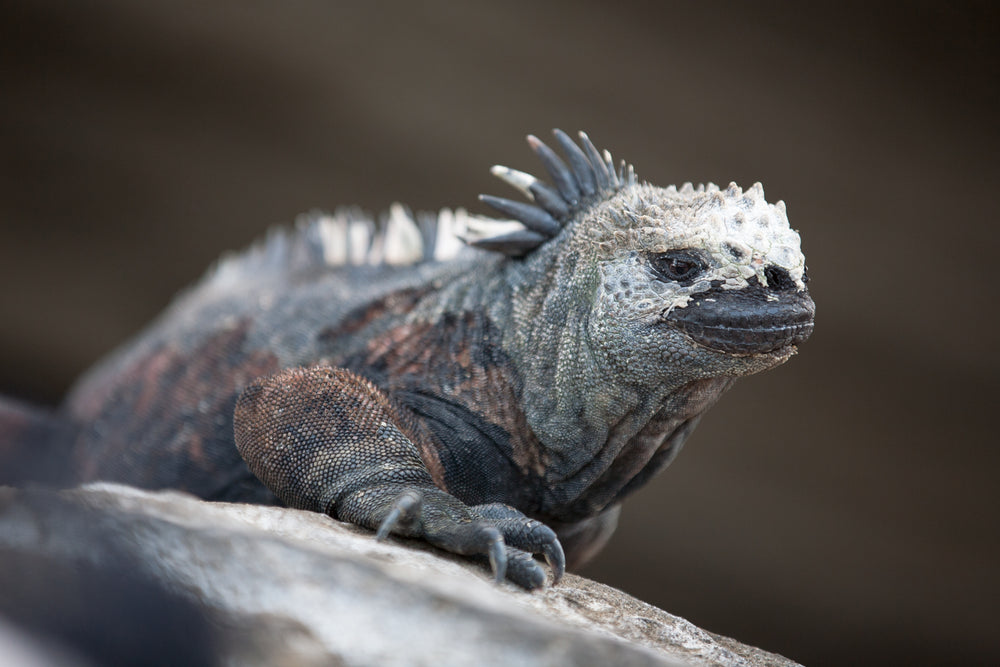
{"points": [[568, 397], [603, 406]]}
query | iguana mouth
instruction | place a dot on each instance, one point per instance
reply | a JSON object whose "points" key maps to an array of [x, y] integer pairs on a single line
{"points": [[740, 340], [753, 320]]}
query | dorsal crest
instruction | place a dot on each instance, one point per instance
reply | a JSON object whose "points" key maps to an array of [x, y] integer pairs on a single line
{"points": [[585, 178]]}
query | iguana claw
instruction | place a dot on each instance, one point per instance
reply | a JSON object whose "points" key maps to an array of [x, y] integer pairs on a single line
{"points": [[498, 559], [404, 511], [556, 559]]}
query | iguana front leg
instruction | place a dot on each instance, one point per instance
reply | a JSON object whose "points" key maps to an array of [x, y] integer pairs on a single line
{"points": [[327, 440]]}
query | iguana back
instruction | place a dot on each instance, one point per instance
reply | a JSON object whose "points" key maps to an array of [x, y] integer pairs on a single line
{"points": [[158, 413]]}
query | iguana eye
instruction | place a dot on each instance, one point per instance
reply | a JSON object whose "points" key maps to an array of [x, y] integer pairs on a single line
{"points": [[679, 266]]}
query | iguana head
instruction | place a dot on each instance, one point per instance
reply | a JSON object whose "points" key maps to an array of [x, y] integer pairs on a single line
{"points": [[708, 276]]}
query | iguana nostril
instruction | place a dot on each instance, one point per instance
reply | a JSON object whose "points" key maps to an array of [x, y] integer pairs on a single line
{"points": [[778, 278]]}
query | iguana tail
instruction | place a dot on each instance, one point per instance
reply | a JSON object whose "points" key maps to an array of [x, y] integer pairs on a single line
{"points": [[34, 445]]}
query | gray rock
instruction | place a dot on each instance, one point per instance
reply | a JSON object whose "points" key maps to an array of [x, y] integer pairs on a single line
{"points": [[283, 586]]}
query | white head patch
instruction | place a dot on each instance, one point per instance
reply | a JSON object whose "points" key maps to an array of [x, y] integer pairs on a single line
{"points": [[739, 233]]}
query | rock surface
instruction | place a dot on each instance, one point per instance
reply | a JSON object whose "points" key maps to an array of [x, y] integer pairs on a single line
{"points": [[279, 586]]}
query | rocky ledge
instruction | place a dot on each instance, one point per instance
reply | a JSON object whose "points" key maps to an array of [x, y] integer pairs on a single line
{"points": [[108, 573]]}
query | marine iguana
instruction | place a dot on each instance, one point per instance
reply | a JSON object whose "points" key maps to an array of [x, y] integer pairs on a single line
{"points": [[497, 395]]}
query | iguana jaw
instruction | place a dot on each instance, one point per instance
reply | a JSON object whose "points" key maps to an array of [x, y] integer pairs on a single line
{"points": [[750, 321]]}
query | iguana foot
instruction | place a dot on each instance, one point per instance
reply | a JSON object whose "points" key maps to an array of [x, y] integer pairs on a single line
{"points": [[523, 535], [327, 440], [508, 537]]}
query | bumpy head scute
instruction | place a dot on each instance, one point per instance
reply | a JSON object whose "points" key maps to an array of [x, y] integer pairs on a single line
{"points": [[589, 177], [728, 239], [746, 237]]}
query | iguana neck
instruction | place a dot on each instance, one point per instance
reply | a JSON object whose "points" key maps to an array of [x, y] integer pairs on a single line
{"points": [[570, 396]]}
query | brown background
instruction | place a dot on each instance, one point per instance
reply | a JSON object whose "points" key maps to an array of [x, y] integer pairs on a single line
{"points": [[840, 510]]}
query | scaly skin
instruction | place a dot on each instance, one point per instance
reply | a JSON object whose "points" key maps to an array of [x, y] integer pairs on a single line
{"points": [[497, 402]]}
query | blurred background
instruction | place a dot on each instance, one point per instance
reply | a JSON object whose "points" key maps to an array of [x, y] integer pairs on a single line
{"points": [[842, 509]]}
